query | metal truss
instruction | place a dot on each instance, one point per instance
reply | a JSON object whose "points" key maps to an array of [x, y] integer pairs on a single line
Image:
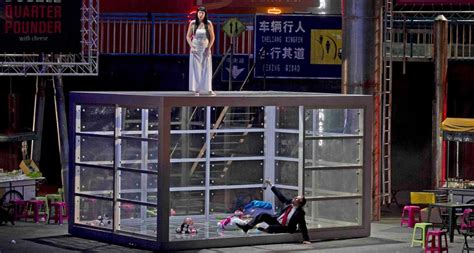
{"points": [[85, 63]]}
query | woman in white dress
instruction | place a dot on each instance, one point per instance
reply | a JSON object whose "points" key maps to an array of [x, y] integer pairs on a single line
{"points": [[200, 38]]}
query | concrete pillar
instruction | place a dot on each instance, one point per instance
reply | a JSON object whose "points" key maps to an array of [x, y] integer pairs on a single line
{"points": [[440, 56]]}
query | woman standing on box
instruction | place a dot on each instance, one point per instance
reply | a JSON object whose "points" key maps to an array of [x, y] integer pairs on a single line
{"points": [[200, 38]]}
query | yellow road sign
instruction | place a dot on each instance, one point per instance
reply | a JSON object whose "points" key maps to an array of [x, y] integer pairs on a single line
{"points": [[233, 27], [326, 46]]}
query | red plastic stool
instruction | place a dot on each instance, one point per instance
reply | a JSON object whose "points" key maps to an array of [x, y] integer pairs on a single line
{"points": [[19, 208], [408, 215], [435, 238], [128, 210], [60, 212], [39, 209]]}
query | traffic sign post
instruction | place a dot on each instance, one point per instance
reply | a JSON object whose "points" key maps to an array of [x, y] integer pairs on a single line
{"points": [[233, 28]]}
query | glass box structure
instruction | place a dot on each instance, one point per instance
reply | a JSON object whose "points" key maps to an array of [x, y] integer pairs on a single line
{"points": [[141, 162]]}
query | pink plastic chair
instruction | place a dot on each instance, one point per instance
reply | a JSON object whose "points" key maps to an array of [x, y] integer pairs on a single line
{"points": [[38, 209], [465, 214], [60, 212], [434, 241], [408, 215], [19, 208]]}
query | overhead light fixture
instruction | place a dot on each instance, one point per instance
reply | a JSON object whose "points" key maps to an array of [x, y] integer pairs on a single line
{"points": [[274, 10]]}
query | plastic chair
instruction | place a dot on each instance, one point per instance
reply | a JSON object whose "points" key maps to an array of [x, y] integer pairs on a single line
{"points": [[54, 198], [434, 241], [464, 220], [37, 208], [424, 228], [58, 211], [469, 232], [19, 208], [408, 215]]}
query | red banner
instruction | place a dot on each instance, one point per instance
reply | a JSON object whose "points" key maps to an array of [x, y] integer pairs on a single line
{"points": [[186, 6], [435, 2]]}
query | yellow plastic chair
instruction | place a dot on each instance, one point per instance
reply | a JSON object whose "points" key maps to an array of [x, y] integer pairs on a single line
{"points": [[425, 198]]}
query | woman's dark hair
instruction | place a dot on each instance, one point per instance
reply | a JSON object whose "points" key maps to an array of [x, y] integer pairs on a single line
{"points": [[204, 21]]}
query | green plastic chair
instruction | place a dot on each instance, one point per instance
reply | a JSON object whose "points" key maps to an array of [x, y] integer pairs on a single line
{"points": [[423, 226]]}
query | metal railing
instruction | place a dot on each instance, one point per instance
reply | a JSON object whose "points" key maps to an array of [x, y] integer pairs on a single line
{"points": [[165, 34], [413, 39]]}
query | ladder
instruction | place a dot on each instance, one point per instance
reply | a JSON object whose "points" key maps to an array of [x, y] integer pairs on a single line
{"points": [[387, 102]]}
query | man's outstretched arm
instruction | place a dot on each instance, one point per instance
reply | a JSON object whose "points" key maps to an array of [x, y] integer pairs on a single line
{"points": [[279, 195]]}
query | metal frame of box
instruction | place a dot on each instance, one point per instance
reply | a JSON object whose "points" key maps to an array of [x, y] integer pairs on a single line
{"points": [[164, 101]]}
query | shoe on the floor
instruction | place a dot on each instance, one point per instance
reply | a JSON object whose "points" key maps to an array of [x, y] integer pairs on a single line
{"points": [[212, 93], [244, 228], [262, 229]]}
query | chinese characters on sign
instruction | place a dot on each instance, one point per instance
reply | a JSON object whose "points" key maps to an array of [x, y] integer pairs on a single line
{"points": [[36, 26], [295, 46]]}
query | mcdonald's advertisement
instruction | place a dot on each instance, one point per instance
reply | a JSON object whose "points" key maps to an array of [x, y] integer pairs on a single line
{"points": [[298, 46], [40, 26]]}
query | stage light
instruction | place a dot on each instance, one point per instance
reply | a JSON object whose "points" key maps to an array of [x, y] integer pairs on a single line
{"points": [[274, 10]]}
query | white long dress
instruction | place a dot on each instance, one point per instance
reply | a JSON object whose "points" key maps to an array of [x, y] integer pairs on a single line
{"points": [[200, 64]]}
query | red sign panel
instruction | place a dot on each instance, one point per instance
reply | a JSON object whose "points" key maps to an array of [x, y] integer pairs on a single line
{"points": [[186, 6], [435, 2]]}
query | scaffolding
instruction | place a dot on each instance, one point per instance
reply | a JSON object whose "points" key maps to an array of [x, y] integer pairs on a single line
{"points": [[408, 36]]}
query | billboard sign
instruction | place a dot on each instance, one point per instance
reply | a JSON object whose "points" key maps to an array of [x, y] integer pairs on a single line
{"points": [[40, 26], [298, 46]]}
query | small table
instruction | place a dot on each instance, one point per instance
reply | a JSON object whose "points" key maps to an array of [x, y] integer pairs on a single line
{"points": [[26, 184], [451, 207]]}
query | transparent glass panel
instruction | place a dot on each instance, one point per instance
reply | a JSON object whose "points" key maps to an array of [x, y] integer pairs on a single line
{"points": [[95, 150], [332, 183], [333, 213], [237, 144], [227, 201], [94, 212], [286, 173], [187, 202], [187, 174], [95, 181], [237, 117], [236, 172], [333, 152], [137, 219], [97, 118], [287, 117], [326, 122], [138, 186], [286, 145], [188, 118], [131, 154], [287, 193], [131, 122], [185, 145], [153, 123]]}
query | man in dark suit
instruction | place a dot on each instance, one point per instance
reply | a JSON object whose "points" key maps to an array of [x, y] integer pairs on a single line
{"points": [[285, 222]]}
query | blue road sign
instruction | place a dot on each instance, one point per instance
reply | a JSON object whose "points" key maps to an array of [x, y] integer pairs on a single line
{"points": [[298, 46], [240, 68]]}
